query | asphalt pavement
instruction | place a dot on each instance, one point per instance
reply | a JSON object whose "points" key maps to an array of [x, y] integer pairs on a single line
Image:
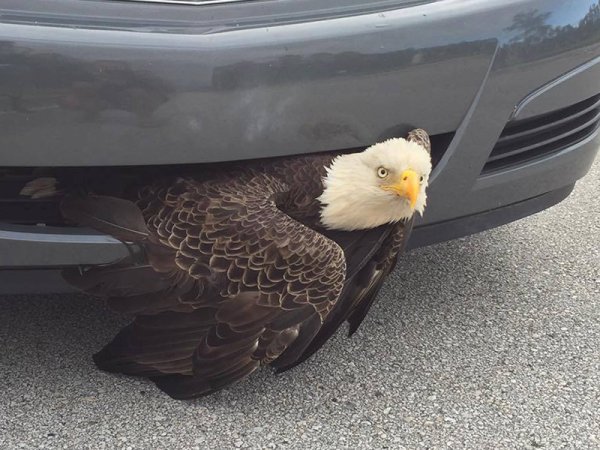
{"points": [[487, 342]]}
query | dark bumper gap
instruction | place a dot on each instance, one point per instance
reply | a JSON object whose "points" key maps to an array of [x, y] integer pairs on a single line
{"points": [[188, 2], [529, 139], [19, 210]]}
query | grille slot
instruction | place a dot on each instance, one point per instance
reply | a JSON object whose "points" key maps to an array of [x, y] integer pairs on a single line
{"points": [[16, 209], [21, 210], [536, 137], [189, 2]]}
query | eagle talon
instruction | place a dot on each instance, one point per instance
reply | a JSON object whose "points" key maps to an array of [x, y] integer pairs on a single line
{"points": [[43, 187]]}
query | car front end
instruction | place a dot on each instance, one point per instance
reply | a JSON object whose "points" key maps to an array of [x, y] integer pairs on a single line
{"points": [[509, 91]]}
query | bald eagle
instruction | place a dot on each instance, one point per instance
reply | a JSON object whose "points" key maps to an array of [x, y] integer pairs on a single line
{"points": [[258, 264]]}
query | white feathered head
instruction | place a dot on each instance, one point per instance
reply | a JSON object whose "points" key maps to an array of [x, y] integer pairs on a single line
{"points": [[385, 183]]}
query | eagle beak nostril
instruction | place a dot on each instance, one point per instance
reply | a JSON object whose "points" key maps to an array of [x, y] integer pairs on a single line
{"points": [[407, 187]]}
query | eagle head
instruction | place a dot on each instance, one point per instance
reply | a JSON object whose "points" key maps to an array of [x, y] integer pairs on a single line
{"points": [[383, 184]]}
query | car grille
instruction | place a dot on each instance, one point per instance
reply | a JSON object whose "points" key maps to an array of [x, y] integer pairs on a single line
{"points": [[189, 2], [539, 136], [17, 209]]}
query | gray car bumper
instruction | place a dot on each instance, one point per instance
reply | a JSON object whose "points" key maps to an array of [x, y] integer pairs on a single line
{"points": [[80, 92]]}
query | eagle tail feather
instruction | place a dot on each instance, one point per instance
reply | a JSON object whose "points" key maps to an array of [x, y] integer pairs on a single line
{"points": [[183, 387], [116, 280], [117, 217], [358, 315], [294, 352]]}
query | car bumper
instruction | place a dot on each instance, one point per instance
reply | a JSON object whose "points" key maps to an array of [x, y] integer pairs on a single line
{"points": [[203, 85], [37, 269]]}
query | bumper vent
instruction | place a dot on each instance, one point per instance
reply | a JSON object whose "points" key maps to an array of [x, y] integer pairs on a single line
{"points": [[19, 210], [536, 137], [189, 2]]}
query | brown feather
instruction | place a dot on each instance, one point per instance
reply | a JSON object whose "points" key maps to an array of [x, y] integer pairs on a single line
{"points": [[117, 217], [421, 137], [116, 280]]}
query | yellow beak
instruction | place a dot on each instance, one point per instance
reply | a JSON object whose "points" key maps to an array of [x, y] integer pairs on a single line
{"points": [[407, 186]]}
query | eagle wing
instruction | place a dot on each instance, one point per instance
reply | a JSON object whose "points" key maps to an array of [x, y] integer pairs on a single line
{"points": [[370, 257], [230, 283]]}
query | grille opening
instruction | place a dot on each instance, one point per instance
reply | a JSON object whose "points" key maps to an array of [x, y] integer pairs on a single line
{"points": [[439, 145], [17, 209], [21, 210], [188, 2], [536, 137]]}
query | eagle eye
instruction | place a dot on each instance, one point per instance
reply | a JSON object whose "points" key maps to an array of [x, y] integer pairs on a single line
{"points": [[382, 172]]}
